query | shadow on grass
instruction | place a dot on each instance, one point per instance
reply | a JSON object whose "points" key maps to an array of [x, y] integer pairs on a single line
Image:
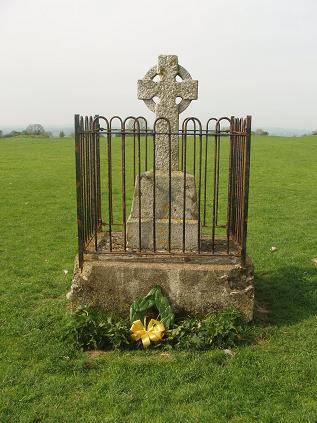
{"points": [[285, 296]]}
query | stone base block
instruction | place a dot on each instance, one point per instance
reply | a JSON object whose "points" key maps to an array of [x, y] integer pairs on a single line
{"points": [[191, 287], [178, 209], [161, 234]]}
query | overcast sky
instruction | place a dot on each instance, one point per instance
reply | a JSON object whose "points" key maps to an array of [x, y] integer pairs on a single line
{"points": [[60, 57]]}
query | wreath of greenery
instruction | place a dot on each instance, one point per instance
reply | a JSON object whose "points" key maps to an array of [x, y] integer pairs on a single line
{"points": [[155, 298]]}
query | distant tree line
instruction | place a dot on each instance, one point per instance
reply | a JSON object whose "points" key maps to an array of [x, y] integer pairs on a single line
{"points": [[33, 130], [37, 129], [260, 131]]}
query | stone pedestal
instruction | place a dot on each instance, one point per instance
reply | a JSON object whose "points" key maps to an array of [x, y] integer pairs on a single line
{"points": [[114, 283], [162, 212]]}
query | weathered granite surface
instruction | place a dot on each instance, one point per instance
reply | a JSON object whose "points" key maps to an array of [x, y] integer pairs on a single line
{"points": [[162, 212], [162, 195], [191, 287], [167, 90], [161, 234]]}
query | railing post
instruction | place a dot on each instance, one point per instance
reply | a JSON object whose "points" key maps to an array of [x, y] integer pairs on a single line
{"points": [[96, 131], [230, 185], [79, 193], [246, 177]]}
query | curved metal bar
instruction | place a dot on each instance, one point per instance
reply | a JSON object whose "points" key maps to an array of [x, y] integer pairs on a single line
{"points": [[136, 134], [79, 191], [146, 140], [123, 186], [220, 120], [138, 118], [217, 176], [93, 184], [139, 182], [97, 119], [234, 181], [217, 137], [96, 127], [191, 119], [205, 169], [131, 118], [154, 199], [218, 130], [126, 120], [98, 180], [194, 158], [185, 125], [241, 165], [246, 175], [83, 176], [184, 159], [216, 188], [134, 149], [183, 134], [109, 155], [210, 120], [88, 182], [112, 119], [184, 168], [230, 176], [162, 119]]}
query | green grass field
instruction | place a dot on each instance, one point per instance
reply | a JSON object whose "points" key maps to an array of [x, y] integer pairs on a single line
{"points": [[272, 380]]}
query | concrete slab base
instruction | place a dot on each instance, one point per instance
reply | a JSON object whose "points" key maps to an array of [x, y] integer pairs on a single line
{"points": [[114, 283]]}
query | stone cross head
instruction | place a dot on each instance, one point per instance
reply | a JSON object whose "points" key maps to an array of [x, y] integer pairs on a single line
{"points": [[167, 90]]}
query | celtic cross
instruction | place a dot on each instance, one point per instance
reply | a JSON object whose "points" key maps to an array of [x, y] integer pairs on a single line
{"points": [[167, 89]]}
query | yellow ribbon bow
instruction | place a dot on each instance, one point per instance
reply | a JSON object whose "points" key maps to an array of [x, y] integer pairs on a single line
{"points": [[154, 332]]}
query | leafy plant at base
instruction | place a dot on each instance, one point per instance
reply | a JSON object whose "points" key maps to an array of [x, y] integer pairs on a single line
{"points": [[217, 330], [155, 298], [89, 328]]}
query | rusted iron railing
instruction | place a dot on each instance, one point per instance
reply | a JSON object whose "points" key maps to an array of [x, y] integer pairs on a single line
{"points": [[110, 154]]}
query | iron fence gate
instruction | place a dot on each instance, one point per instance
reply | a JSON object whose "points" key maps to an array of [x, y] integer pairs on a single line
{"points": [[111, 153]]}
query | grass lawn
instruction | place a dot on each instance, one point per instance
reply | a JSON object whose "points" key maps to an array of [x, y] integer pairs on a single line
{"points": [[272, 380]]}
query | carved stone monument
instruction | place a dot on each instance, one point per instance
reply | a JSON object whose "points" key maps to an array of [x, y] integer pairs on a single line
{"points": [[167, 111], [114, 267]]}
